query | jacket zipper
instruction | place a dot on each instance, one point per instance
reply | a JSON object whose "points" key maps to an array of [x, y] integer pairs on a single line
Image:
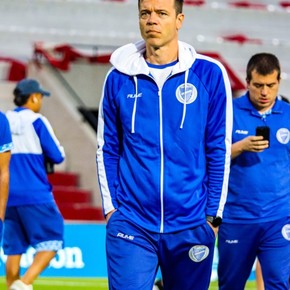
{"points": [[162, 163]]}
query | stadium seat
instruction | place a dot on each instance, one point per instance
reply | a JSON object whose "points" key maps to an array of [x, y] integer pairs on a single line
{"points": [[74, 203], [81, 212], [70, 194], [64, 179], [285, 4]]}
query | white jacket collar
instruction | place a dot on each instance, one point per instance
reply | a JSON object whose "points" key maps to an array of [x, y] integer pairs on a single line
{"points": [[129, 58]]}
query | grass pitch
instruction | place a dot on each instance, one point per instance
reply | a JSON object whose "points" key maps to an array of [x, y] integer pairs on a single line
{"points": [[87, 284]]}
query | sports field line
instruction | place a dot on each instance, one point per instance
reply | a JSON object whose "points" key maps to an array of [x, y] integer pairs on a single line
{"points": [[91, 283], [76, 283], [80, 283]]}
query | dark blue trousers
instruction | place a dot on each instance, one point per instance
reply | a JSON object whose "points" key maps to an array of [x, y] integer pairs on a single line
{"points": [[134, 255], [240, 244]]}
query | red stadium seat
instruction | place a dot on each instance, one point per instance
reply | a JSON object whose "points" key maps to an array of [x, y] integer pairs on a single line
{"points": [[74, 203], [247, 4], [285, 4]]}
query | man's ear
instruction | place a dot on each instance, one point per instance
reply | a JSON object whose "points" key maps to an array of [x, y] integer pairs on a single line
{"points": [[179, 20], [33, 98]]}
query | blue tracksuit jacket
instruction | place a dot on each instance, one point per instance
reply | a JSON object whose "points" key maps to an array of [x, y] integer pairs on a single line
{"points": [[33, 139], [5, 135], [164, 152], [259, 186]]}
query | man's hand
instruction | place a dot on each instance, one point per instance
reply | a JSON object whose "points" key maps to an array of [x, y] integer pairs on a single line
{"points": [[108, 215], [215, 230], [250, 144]]}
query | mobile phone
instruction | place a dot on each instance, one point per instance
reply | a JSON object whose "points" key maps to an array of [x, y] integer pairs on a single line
{"points": [[263, 131]]}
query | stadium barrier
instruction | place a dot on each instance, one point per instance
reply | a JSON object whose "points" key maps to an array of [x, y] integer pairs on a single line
{"points": [[83, 254]]}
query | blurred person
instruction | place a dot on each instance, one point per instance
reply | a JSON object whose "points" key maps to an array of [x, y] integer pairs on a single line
{"points": [[163, 156], [283, 98], [259, 275], [32, 216], [5, 153], [257, 213]]}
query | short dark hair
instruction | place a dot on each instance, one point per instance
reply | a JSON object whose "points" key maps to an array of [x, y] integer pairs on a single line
{"points": [[19, 98], [264, 63], [178, 6]]}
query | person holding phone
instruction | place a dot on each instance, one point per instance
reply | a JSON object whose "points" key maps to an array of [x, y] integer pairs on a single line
{"points": [[256, 220]]}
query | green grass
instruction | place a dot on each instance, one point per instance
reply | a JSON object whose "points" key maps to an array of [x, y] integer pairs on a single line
{"points": [[86, 284]]}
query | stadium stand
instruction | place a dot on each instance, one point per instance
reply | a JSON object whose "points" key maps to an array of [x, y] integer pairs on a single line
{"points": [[12, 69], [74, 203]]}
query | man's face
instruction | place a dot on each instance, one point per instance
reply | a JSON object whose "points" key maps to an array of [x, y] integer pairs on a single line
{"points": [[263, 90], [158, 22]]}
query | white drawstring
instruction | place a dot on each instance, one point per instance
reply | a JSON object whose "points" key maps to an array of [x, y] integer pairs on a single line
{"points": [[184, 100], [135, 106]]}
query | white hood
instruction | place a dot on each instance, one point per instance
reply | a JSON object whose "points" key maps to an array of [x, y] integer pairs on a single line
{"points": [[129, 58], [17, 122], [25, 139]]}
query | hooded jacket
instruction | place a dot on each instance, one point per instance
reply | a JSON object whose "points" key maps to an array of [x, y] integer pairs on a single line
{"points": [[164, 152], [33, 140]]}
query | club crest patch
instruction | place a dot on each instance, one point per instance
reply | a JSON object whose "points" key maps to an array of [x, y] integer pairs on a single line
{"points": [[198, 253], [283, 135], [286, 232], [187, 94]]}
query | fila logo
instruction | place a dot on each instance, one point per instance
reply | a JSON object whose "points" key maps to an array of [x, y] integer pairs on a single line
{"points": [[126, 237], [133, 96], [232, 241], [242, 132]]}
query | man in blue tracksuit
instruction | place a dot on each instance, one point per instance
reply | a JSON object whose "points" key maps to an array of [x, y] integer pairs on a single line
{"points": [[163, 155], [257, 213], [5, 153], [32, 216]]}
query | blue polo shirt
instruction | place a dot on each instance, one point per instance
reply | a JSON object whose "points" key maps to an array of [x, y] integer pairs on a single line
{"points": [[259, 183]]}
